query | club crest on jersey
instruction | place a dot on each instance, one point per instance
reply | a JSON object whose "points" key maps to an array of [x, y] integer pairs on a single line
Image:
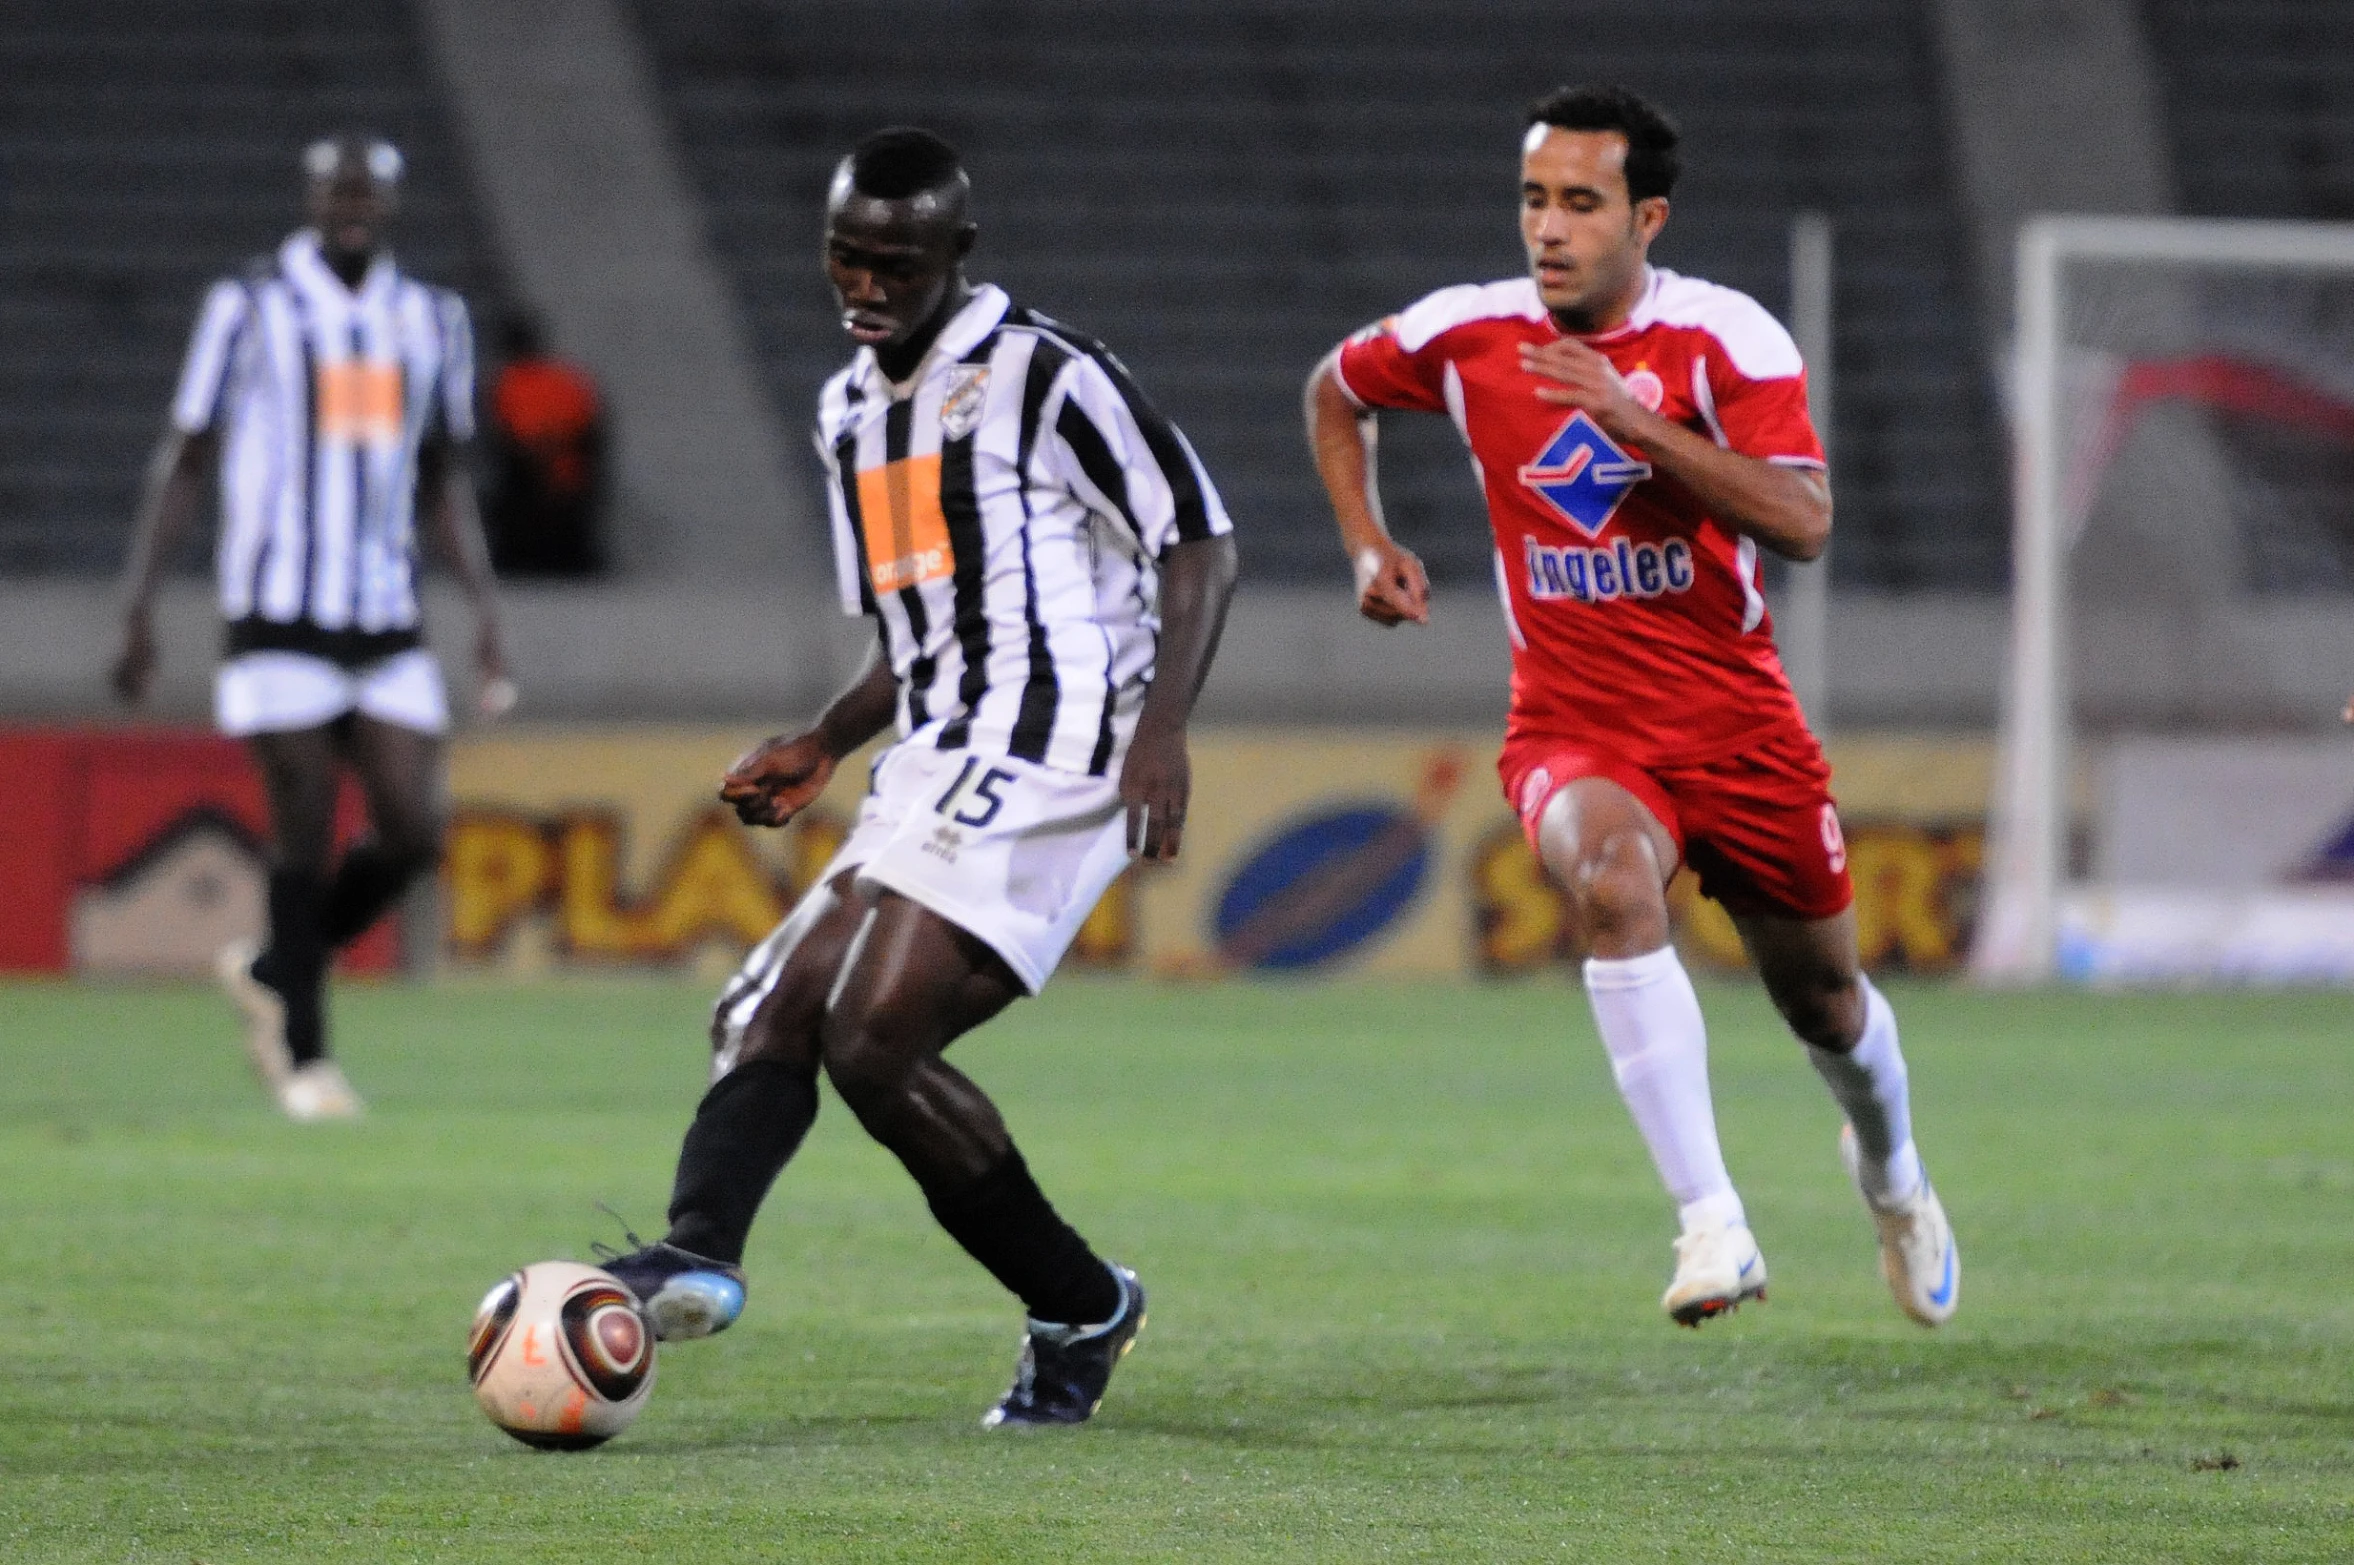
{"points": [[1583, 474], [960, 409]]}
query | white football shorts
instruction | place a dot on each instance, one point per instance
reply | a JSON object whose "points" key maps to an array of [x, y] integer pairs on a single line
{"points": [[1014, 854], [274, 692]]}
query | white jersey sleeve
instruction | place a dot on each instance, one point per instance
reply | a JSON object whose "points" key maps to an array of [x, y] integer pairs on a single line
{"points": [[212, 353], [456, 409], [1125, 460]]}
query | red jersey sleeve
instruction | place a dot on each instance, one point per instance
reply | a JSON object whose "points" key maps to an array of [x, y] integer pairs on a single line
{"points": [[1377, 371], [1758, 386]]}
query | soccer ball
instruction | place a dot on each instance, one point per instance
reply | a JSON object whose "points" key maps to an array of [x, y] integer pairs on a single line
{"points": [[561, 1356]]}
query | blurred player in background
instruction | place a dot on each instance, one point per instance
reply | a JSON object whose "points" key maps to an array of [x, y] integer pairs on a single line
{"points": [[546, 444], [328, 393], [1639, 436], [1048, 567]]}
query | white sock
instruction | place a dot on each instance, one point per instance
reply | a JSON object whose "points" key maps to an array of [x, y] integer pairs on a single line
{"points": [[1869, 1084], [1650, 1023]]}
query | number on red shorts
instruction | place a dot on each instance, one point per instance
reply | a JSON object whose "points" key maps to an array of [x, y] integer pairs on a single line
{"points": [[1834, 840]]}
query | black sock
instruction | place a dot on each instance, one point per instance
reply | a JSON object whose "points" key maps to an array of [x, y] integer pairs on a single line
{"points": [[1004, 1222], [369, 880], [295, 963], [746, 1129]]}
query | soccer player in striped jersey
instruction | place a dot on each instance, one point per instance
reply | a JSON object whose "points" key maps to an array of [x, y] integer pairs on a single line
{"points": [[1639, 437], [1048, 567], [328, 393]]}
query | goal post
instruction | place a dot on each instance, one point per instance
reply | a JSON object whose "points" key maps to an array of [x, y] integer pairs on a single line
{"points": [[2240, 335]]}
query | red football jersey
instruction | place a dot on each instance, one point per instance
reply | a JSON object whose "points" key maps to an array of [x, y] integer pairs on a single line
{"points": [[1637, 622]]}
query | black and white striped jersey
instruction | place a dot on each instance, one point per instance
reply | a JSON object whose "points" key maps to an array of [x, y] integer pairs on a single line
{"points": [[1002, 514], [323, 396]]}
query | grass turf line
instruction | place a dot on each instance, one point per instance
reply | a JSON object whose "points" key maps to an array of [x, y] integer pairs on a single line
{"points": [[1404, 1250]]}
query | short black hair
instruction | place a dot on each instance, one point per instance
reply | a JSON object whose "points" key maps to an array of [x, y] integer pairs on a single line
{"points": [[902, 161], [1652, 138]]}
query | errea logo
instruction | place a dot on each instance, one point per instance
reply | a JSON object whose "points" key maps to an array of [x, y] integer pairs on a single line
{"points": [[1583, 474]]}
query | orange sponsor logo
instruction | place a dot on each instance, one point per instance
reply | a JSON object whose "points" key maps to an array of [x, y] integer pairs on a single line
{"points": [[359, 400], [531, 1353], [906, 536]]}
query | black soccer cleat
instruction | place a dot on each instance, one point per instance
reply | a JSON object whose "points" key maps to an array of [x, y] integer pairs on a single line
{"points": [[685, 1295], [1061, 1375]]}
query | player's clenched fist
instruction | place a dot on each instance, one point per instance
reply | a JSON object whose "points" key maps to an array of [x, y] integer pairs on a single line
{"points": [[777, 779], [1391, 585]]}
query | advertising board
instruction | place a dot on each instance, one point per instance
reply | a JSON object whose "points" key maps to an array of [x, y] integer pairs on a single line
{"points": [[1359, 851]]}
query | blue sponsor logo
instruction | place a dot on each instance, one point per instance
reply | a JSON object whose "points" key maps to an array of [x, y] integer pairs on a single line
{"points": [[1583, 474], [1621, 569], [1322, 887]]}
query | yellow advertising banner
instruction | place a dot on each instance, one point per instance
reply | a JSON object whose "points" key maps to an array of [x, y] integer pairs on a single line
{"points": [[1369, 852]]}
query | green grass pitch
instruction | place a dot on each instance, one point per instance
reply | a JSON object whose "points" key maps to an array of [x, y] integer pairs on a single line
{"points": [[1405, 1254]]}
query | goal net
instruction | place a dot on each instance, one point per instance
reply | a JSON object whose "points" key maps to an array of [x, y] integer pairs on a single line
{"points": [[2174, 797]]}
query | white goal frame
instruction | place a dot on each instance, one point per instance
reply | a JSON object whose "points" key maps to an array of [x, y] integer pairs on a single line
{"points": [[2027, 838]]}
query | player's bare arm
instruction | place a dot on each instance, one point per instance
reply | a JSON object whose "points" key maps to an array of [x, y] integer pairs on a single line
{"points": [[778, 778], [453, 528], [1787, 509], [168, 502], [1392, 587], [1156, 781]]}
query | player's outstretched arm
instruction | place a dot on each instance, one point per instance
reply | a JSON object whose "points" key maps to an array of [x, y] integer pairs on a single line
{"points": [[1788, 509], [1156, 779], [454, 527], [1391, 585], [168, 502], [778, 778]]}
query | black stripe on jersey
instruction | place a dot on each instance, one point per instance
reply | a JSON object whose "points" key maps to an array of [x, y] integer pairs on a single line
{"points": [[429, 422], [1192, 511], [310, 451], [256, 277], [898, 433], [846, 481], [436, 420], [960, 508], [358, 348], [1096, 460], [1102, 758], [246, 326], [1042, 693], [1169, 453]]}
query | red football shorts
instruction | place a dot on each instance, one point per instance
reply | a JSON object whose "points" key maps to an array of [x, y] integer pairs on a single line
{"points": [[1758, 827]]}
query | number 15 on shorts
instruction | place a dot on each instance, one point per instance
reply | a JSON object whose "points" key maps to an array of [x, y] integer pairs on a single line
{"points": [[974, 800]]}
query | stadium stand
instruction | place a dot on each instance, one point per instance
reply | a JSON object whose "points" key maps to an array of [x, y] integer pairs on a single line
{"points": [[145, 148], [2259, 105], [1222, 190]]}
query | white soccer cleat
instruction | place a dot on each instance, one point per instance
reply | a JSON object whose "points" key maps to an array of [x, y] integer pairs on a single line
{"points": [[318, 1091], [263, 1013], [1918, 1255], [1716, 1268]]}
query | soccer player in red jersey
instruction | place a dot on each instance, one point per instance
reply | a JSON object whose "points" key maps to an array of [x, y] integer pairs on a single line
{"points": [[1639, 437]]}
